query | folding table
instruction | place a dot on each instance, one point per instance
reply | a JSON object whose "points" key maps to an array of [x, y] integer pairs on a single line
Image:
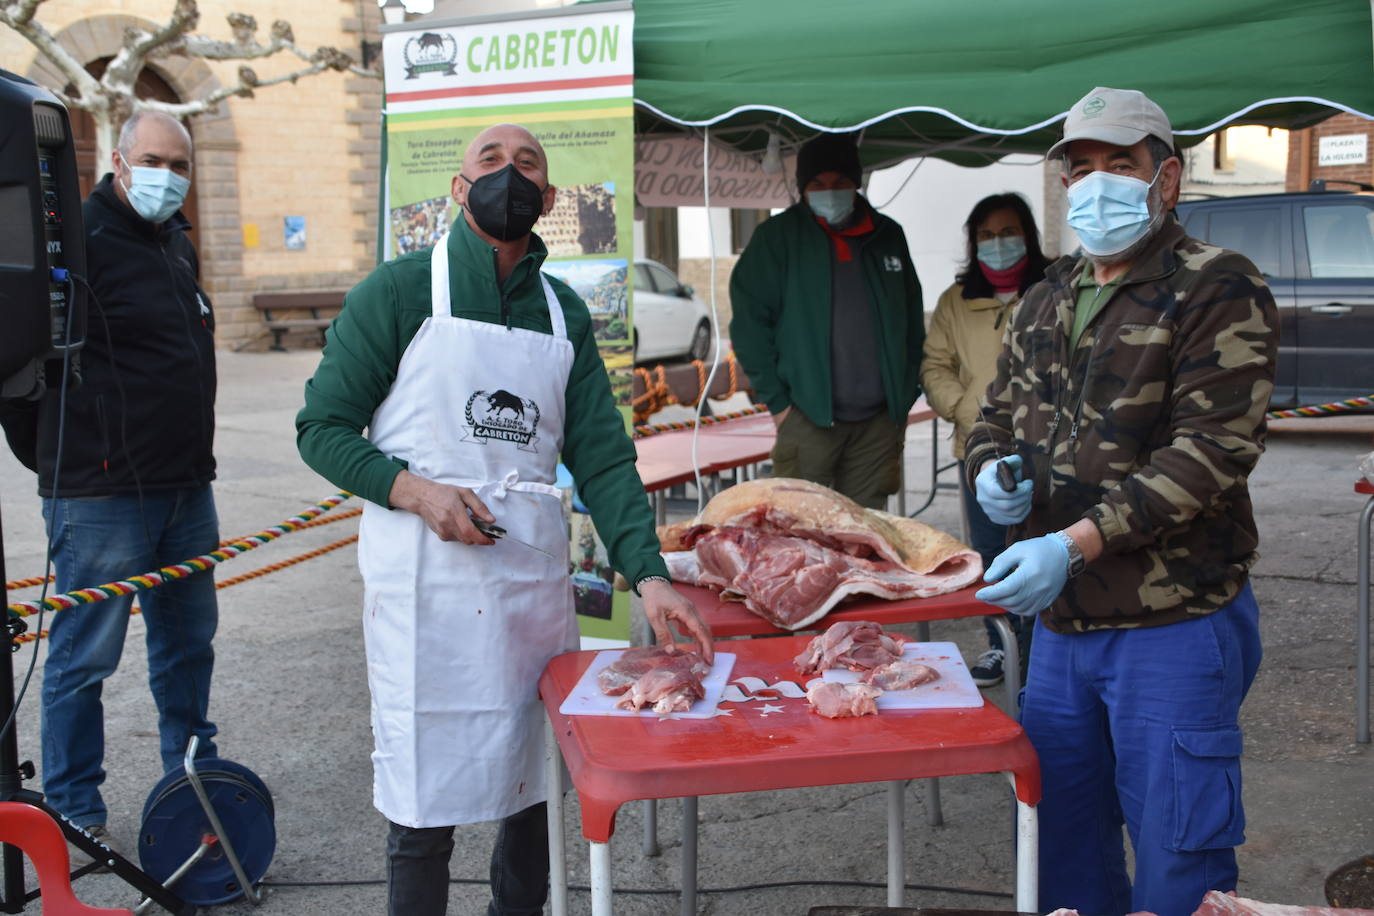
{"points": [[1362, 616], [769, 740]]}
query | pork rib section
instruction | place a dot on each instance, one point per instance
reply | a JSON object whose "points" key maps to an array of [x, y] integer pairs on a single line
{"points": [[839, 701], [792, 550], [634, 663], [900, 675], [670, 687], [858, 645]]}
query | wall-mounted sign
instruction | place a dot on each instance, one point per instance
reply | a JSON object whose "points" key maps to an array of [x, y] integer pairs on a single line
{"points": [[1343, 149]]}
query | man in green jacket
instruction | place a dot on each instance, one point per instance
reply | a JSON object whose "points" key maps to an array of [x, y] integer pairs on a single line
{"points": [[471, 372], [828, 325]]}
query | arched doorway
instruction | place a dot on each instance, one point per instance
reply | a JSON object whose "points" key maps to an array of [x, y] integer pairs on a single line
{"points": [[149, 86]]}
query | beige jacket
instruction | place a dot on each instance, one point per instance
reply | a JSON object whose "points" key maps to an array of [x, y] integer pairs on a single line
{"points": [[961, 350]]}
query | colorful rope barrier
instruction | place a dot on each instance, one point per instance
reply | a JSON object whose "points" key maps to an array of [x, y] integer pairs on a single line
{"points": [[178, 570], [654, 429], [36, 581], [1321, 410], [255, 574]]}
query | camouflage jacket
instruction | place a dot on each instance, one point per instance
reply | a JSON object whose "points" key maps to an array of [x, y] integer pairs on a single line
{"points": [[1150, 428]]}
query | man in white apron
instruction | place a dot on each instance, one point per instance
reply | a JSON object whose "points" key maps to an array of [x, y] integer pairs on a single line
{"points": [[472, 372]]}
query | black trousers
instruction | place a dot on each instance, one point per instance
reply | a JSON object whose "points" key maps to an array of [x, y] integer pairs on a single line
{"points": [[417, 872]]}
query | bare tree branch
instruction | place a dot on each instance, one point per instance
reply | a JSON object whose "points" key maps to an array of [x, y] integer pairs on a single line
{"points": [[248, 82], [140, 43], [19, 16]]}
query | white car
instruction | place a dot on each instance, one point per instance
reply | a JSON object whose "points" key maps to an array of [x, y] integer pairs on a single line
{"points": [[669, 320]]}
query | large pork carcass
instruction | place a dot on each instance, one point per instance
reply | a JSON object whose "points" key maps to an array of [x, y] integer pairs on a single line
{"points": [[792, 550]]}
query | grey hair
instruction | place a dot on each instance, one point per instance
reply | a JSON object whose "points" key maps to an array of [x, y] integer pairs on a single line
{"points": [[129, 130]]}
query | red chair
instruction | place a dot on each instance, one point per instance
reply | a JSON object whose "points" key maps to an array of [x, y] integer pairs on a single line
{"points": [[38, 835]]}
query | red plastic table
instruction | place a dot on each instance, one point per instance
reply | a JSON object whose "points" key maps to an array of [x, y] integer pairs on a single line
{"points": [[1362, 617], [769, 740]]}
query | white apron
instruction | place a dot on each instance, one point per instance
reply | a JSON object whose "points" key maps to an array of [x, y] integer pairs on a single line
{"points": [[456, 634]]}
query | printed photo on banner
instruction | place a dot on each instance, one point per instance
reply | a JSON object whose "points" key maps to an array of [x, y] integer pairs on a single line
{"points": [[603, 285]]}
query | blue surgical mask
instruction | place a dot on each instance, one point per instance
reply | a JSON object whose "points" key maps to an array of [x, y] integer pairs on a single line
{"points": [[832, 206], [1001, 253], [155, 194], [1110, 213]]}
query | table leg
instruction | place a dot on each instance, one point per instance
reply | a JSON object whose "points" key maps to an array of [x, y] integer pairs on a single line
{"points": [[648, 809], [896, 843], [601, 878], [1027, 857], [660, 507], [558, 866], [1011, 664], [1362, 628], [688, 905], [934, 815]]}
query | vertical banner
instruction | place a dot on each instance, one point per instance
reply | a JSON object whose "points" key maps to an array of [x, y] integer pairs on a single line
{"points": [[567, 75]]}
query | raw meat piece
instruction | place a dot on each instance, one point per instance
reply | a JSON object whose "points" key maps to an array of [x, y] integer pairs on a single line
{"points": [[671, 687], [858, 645], [617, 677], [838, 701], [794, 549], [900, 675], [1218, 904]]}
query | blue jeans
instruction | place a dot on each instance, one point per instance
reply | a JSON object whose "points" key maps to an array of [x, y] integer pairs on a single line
{"points": [[103, 539], [1141, 726], [989, 539]]}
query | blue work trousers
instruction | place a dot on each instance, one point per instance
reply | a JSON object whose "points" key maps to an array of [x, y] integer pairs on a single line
{"points": [[1141, 725], [104, 539]]}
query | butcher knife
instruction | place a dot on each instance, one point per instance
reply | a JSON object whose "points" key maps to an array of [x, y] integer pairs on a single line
{"points": [[496, 532]]}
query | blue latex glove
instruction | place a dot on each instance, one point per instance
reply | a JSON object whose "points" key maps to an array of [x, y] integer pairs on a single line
{"points": [[1029, 575], [1002, 507]]}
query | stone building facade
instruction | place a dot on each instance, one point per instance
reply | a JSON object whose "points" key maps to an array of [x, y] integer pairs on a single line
{"points": [[310, 149]]}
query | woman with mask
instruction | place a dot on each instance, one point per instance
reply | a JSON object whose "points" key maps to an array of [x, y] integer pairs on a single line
{"points": [[1003, 259]]}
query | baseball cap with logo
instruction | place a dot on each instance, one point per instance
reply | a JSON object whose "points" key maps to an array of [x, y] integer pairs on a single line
{"points": [[1121, 117]]}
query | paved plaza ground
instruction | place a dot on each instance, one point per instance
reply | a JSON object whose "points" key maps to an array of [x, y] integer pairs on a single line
{"points": [[290, 699]]}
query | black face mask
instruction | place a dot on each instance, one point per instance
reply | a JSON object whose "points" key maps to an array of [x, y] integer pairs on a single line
{"points": [[504, 203]]}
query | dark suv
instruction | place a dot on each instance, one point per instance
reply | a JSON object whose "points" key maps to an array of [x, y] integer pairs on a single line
{"points": [[1316, 250]]}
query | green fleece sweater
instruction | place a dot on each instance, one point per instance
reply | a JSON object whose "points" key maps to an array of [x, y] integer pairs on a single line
{"points": [[780, 296], [364, 348]]}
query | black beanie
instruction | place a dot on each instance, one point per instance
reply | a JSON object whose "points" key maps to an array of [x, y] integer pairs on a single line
{"points": [[829, 153]]}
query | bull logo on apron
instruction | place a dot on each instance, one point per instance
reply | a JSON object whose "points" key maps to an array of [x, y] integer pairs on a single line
{"points": [[502, 416]]}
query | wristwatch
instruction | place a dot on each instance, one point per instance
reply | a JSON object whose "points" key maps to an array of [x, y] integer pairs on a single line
{"points": [[652, 579], [1076, 561]]}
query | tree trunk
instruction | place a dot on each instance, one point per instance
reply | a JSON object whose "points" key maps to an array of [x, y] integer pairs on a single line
{"points": [[105, 138]]}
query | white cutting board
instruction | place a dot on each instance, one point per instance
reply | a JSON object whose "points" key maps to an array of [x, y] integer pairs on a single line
{"points": [[954, 689], [586, 699]]}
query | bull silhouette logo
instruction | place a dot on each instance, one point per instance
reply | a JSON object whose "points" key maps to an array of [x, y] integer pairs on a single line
{"points": [[501, 416], [430, 52]]}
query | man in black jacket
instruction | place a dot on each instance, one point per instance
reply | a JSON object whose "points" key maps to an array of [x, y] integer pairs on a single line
{"points": [[126, 488]]}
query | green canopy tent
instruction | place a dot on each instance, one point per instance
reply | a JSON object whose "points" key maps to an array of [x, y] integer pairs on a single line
{"points": [[972, 80]]}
